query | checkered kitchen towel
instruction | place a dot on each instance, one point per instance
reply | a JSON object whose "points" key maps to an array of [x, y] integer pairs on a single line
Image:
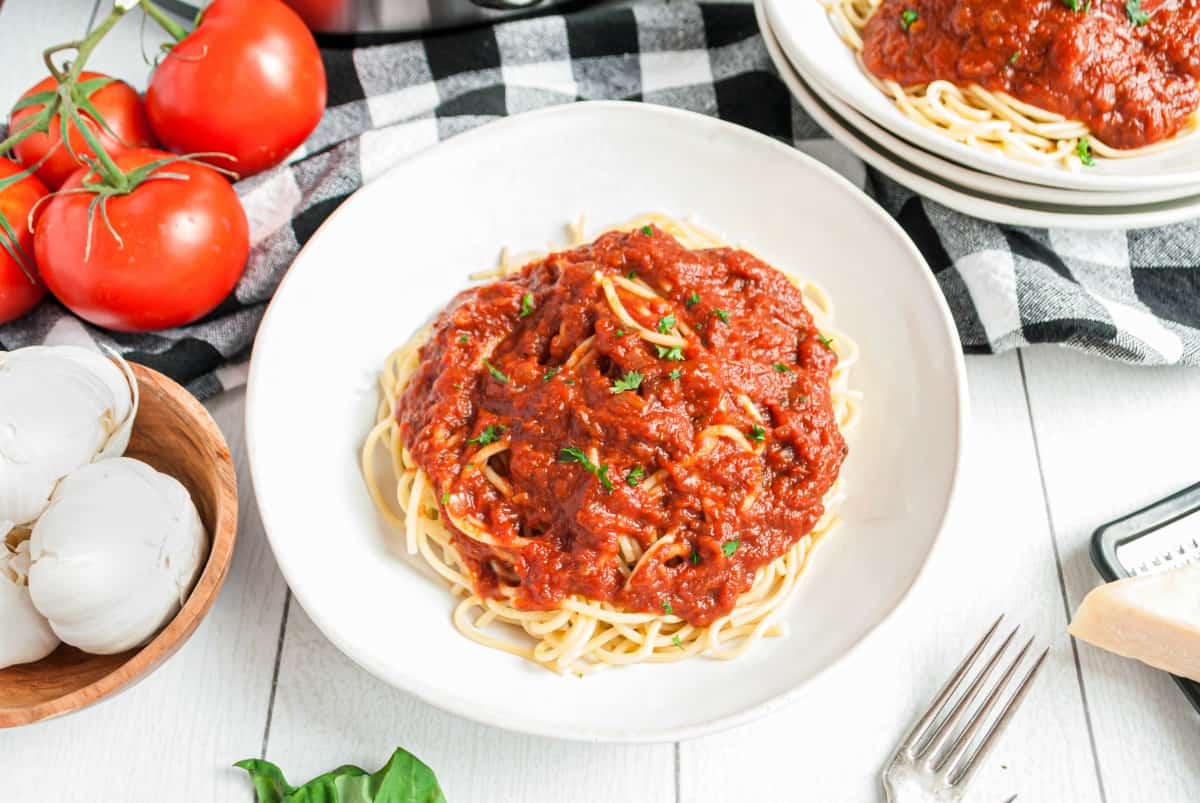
{"points": [[1132, 296]]}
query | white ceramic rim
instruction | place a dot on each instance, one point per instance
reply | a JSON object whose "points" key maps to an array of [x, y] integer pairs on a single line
{"points": [[456, 705]]}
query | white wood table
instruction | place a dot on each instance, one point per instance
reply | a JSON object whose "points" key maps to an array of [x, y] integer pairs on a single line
{"points": [[1057, 444]]}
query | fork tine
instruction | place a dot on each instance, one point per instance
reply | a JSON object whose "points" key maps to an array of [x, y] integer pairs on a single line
{"points": [[918, 732], [997, 727], [945, 731], [963, 743]]}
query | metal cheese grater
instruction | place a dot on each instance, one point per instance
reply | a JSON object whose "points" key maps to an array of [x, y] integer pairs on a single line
{"points": [[1163, 536]]}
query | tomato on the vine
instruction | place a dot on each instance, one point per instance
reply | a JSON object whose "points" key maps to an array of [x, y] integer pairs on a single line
{"points": [[20, 288], [248, 82], [177, 244], [117, 103]]}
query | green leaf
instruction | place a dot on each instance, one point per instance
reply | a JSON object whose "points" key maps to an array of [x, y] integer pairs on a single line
{"points": [[602, 475], [496, 373], [646, 230], [677, 642], [781, 368], [490, 434], [729, 547], [825, 340], [404, 779], [667, 609], [464, 338], [1137, 15], [757, 433], [675, 374], [550, 374], [445, 497], [634, 476], [666, 324], [907, 17], [693, 299], [527, 306], [1084, 149], [722, 314], [670, 353], [631, 381]]}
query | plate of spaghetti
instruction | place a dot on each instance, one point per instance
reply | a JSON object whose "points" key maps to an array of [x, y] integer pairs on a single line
{"points": [[1097, 95], [599, 426]]}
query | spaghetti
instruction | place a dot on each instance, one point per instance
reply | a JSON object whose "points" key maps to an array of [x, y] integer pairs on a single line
{"points": [[563, 446], [1043, 82]]}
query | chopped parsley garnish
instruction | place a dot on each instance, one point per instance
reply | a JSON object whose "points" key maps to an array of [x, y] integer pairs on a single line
{"points": [[631, 381], [550, 373], [568, 381], [445, 497], [665, 353], [907, 17], [463, 338], [1076, 5], [693, 299], [722, 314], [634, 476], [1137, 15], [527, 306], [646, 230], [1084, 149], [729, 547], [781, 368], [619, 333], [676, 374], [801, 400], [573, 454], [757, 433], [496, 373], [825, 340], [631, 275], [667, 609], [602, 475], [1014, 57], [695, 558], [666, 324], [675, 640], [490, 434]]}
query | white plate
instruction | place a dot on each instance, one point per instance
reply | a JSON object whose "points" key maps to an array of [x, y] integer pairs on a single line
{"points": [[812, 44], [987, 183], [399, 250], [962, 199]]}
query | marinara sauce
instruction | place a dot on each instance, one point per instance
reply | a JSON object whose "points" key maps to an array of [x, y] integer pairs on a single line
{"points": [[751, 337], [1088, 60]]}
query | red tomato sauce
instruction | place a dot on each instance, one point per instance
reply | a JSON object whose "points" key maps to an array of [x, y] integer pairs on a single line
{"points": [[571, 520], [1132, 85]]}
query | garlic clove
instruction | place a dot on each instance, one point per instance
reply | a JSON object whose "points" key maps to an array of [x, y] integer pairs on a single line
{"points": [[118, 442], [60, 407], [25, 636], [115, 555]]}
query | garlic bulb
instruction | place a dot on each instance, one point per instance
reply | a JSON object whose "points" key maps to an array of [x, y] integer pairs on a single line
{"points": [[25, 635], [60, 407], [115, 555]]}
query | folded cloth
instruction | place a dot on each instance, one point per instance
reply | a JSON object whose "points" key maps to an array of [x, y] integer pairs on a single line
{"points": [[1132, 296]]}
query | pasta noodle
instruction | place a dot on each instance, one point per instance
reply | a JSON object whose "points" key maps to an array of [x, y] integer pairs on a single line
{"points": [[584, 635]]}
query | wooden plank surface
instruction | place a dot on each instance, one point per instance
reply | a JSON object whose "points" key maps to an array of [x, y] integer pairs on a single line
{"points": [[1112, 439], [1109, 438], [995, 557]]}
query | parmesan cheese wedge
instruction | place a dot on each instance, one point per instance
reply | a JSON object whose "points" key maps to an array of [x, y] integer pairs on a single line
{"points": [[1154, 618]]}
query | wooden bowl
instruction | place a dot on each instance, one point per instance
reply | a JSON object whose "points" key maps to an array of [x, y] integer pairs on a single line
{"points": [[175, 434]]}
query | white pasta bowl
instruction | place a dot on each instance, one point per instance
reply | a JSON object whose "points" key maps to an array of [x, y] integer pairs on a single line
{"points": [[398, 250], [819, 55]]}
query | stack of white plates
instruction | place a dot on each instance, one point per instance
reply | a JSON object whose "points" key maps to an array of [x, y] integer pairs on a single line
{"points": [[826, 79]]}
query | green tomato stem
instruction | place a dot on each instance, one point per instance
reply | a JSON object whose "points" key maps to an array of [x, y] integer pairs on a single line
{"points": [[176, 31]]}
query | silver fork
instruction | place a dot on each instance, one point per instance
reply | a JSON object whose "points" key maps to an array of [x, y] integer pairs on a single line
{"points": [[932, 764]]}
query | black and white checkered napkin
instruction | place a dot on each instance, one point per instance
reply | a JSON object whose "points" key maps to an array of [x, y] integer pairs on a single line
{"points": [[1132, 296]]}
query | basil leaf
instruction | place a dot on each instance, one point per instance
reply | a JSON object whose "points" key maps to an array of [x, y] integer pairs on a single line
{"points": [[404, 779]]}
